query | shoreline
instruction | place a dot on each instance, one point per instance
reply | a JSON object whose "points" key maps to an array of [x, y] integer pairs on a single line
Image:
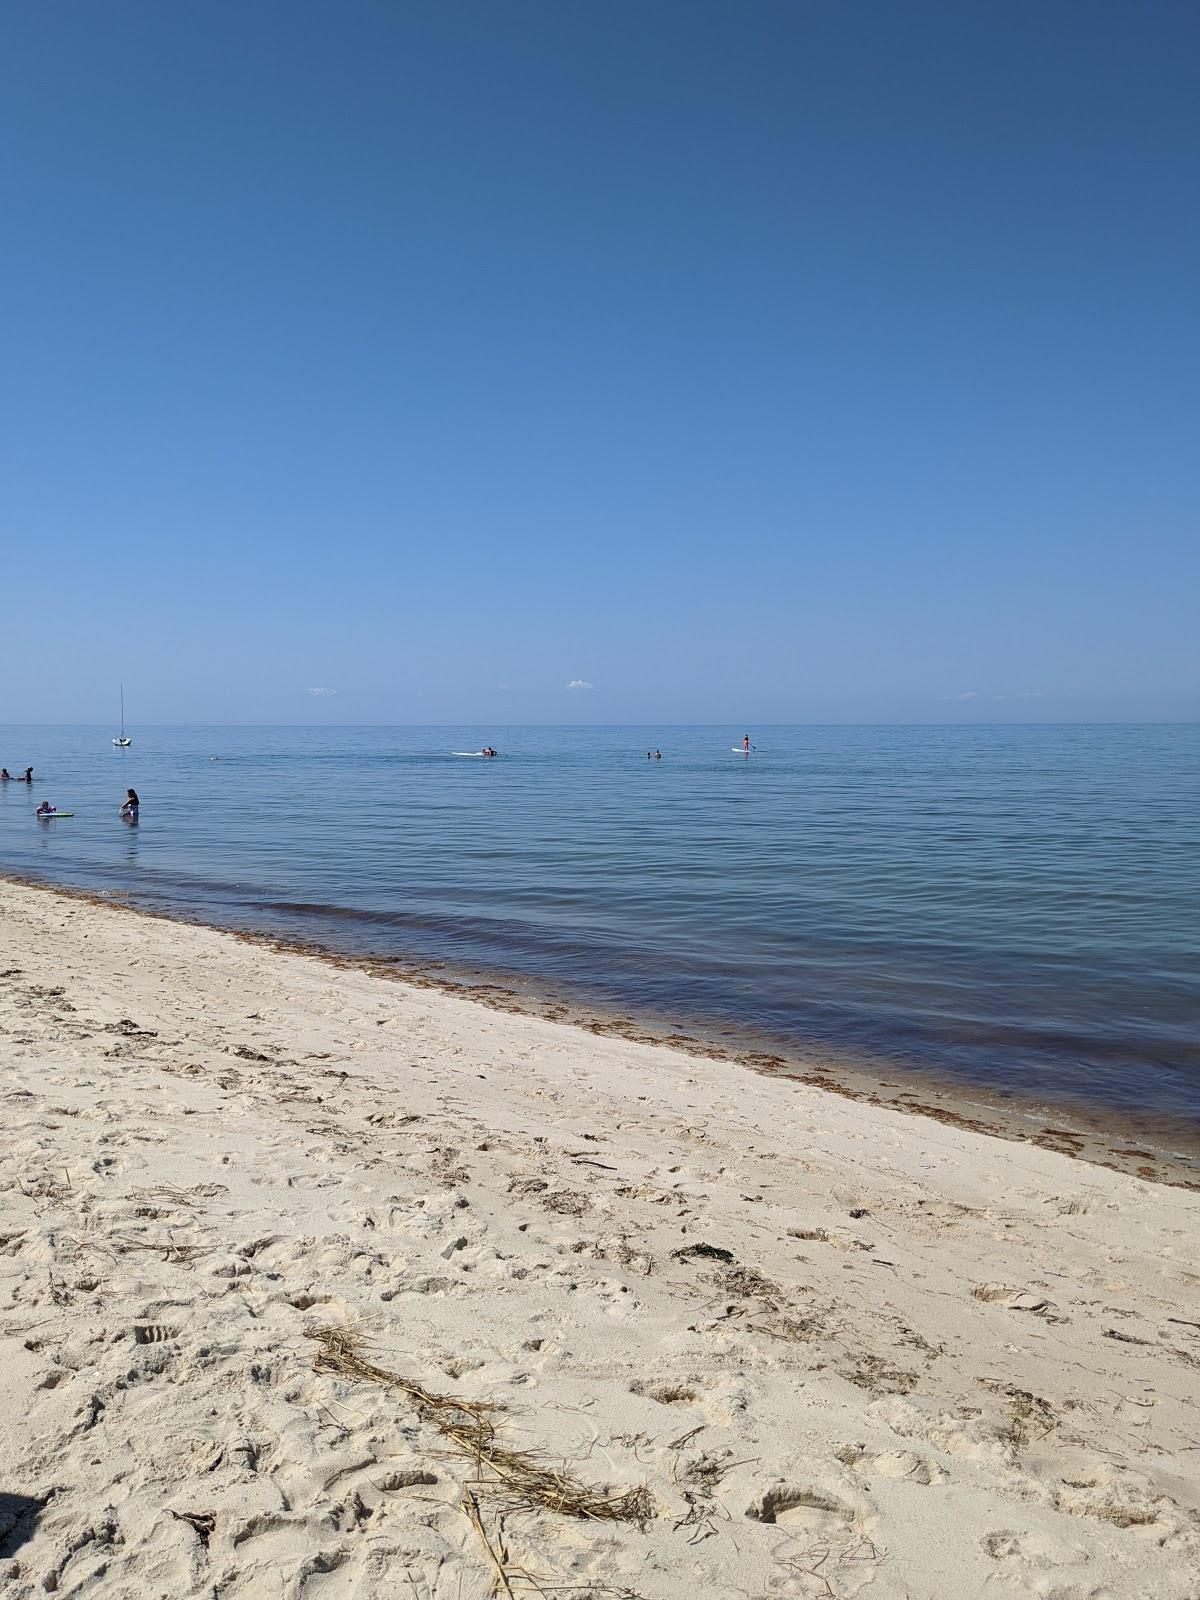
{"points": [[1158, 1150], [317, 1286]]}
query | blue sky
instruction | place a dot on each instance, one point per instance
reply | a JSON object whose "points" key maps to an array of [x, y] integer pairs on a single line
{"points": [[769, 362]]}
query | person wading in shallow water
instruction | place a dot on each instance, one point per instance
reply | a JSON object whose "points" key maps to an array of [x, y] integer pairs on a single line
{"points": [[129, 806]]}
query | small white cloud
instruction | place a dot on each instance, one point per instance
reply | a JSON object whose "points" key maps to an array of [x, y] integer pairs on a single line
{"points": [[318, 693], [580, 683], [502, 686], [1030, 694], [968, 694]]}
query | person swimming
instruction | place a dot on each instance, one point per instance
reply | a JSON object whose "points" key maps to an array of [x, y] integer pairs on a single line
{"points": [[45, 809], [28, 778], [658, 755], [129, 807], [5, 775], [488, 751]]}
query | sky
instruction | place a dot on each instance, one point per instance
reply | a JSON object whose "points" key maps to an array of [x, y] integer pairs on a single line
{"points": [[599, 361]]}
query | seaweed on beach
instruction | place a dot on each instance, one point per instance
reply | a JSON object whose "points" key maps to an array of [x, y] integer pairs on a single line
{"points": [[1031, 1416], [470, 1427]]}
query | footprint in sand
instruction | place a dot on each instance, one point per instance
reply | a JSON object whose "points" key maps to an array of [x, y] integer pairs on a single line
{"points": [[1035, 1549], [807, 1510], [666, 1394], [153, 1332], [903, 1466]]}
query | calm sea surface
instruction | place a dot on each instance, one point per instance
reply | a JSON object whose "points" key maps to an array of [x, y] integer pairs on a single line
{"points": [[1016, 907]]}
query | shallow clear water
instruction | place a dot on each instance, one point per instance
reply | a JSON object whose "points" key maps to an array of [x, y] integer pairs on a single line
{"points": [[1018, 907]]}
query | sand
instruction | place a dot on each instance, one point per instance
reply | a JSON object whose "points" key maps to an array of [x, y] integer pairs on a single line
{"points": [[821, 1347]]}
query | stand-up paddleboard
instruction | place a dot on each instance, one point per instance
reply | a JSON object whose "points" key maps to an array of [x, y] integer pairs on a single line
{"points": [[740, 750], [466, 752], [49, 816]]}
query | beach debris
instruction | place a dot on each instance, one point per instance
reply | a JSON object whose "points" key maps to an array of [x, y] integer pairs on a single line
{"points": [[470, 1427], [820, 1560], [566, 1203], [525, 1185], [1014, 1299], [203, 1522], [497, 1553], [1031, 1416], [879, 1375], [707, 1252], [859, 1211]]}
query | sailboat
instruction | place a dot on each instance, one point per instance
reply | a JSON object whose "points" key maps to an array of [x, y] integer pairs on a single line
{"points": [[123, 742]]}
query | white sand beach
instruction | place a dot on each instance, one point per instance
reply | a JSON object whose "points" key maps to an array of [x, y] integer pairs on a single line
{"points": [[771, 1341]]}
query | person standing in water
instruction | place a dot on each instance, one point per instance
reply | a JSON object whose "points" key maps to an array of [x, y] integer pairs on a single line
{"points": [[28, 778], [746, 744], [129, 807]]}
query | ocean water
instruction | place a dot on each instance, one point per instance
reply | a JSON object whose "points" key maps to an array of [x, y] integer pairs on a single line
{"points": [[1015, 908]]}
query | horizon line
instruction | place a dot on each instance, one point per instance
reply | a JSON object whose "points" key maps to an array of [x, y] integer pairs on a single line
{"points": [[1091, 722]]}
